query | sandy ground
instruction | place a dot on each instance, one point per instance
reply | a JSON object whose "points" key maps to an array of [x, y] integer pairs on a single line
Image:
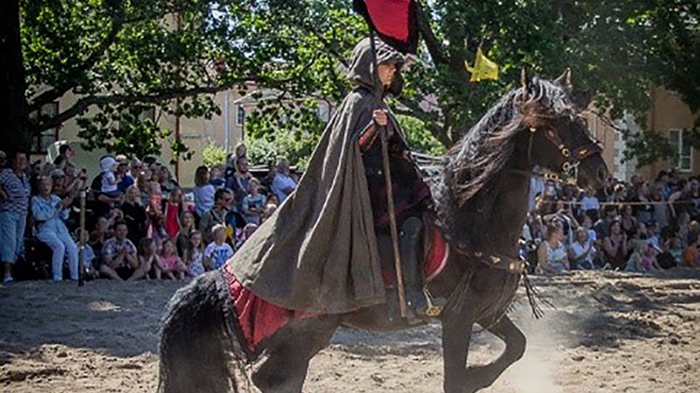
{"points": [[610, 332]]}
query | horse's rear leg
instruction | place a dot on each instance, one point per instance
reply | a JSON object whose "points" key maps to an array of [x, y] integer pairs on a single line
{"points": [[283, 365], [480, 377]]}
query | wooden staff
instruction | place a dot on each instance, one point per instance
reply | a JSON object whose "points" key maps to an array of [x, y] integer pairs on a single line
{"points": [[403, 306], [81, 253]]}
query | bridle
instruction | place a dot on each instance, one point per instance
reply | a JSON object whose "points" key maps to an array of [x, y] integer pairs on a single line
{"points": [[569, 168]]}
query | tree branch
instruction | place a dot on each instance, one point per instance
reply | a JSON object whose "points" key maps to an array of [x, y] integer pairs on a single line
{"points": [[431, 42], [118, 21], [84, 103]]}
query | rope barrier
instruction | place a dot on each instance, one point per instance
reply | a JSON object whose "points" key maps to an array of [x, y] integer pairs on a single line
{"points": [[620, 203]]}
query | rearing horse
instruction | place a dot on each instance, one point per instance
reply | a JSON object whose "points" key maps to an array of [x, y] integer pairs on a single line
{"points": [[481, 201]]}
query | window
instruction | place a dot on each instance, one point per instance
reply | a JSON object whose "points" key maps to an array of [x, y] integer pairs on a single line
{"points": [[240, 116], [42, 141], [684, 150]]}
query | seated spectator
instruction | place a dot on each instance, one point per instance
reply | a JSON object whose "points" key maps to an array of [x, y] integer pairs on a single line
{"points": [[3, 159], [268, 211], [253, 203], [119, 255], [216, 215], [590, 204], [171, 266], [149, 261], [134, 214], [203, 192], [283, 185], [602, 227], [551, 255], [194, 256], [245, 234], [269, 179], [218, 251], [615, 247], [582, 251], [49, 212], [187, 228], [691, 257], [674, 246], [628, 220], [216, 178], [642, 259]]}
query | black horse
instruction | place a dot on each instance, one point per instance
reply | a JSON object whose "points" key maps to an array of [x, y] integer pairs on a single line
{"points": [[481, 199]]}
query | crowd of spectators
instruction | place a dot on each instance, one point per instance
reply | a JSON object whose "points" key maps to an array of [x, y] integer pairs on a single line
{"points": [[632, 226], [139, 224]]}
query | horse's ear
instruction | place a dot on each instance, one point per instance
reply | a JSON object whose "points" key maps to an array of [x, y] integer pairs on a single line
{"points": [[565, 80], [525, 81]]}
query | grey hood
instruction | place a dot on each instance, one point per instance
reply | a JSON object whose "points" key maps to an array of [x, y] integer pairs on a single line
{"points": [[361, 72]]}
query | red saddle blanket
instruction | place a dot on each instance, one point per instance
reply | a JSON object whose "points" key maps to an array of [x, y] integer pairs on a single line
{"points": [[258, 319]]}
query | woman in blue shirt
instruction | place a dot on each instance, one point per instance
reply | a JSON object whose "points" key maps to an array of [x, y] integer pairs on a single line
{"points": [[49, 213]]}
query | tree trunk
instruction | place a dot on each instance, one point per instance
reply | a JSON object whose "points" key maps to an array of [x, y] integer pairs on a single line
{"points": [[14, 131]]}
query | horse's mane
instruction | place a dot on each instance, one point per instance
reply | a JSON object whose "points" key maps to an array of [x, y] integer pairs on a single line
{"points": [[466, 185]]}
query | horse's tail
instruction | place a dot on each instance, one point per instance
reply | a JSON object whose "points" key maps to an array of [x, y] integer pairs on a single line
{"points": [[196, 345]]}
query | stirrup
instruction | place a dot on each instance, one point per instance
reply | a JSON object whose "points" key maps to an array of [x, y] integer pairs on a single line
{"points": [[435, 305]]}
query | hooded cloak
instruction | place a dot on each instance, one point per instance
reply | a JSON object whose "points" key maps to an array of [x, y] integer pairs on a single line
{"points": [[318, 252]]}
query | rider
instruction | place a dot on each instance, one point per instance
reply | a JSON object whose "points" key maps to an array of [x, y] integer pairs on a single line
{"points": [[318, 253]]}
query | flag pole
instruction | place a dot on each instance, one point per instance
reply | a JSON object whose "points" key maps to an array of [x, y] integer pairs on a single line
{"points": [[403, 306]]}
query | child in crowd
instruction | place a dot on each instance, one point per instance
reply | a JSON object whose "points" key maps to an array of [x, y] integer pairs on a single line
{"points": [[268, 212], [636, 261], [109, 178], [675, 248], [650, 260], [246, 233], [172, 265], [691, 256], [172, 213], [194, 256], [216, 178], [148, 260], [253, 203], [218, 251], [203, 192]]}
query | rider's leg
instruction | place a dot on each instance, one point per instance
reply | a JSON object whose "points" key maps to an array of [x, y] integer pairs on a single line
{"points": [[411, 231]]}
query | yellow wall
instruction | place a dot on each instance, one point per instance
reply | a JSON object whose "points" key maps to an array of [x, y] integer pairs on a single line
{"points": [[669, 112], [195, 134]]}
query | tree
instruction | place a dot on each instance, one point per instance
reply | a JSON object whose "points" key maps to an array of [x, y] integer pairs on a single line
{"points": [[122, 56], [616, 49]]}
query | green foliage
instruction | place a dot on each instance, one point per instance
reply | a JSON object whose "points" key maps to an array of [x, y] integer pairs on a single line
{"points": [[283, 129], [118, 56], [419, 137], [213, 154], [282, 144]]}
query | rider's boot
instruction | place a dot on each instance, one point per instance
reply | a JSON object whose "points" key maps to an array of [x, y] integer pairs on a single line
{"points": [[411, 231]]}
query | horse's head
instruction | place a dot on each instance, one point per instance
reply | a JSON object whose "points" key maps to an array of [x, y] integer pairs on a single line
{"points": [[558, 136]]}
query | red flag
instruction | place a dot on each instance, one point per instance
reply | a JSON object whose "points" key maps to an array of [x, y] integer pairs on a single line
{"points": [[394, 20]]}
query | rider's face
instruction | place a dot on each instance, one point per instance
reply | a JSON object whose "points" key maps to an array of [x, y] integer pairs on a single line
{"points": [[386, 73]]}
